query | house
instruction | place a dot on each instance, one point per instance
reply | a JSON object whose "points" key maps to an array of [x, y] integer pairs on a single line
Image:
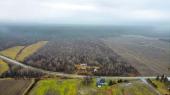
{"points": [[81, 66], [100, 82]]}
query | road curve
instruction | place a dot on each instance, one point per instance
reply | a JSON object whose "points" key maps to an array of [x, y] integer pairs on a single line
{"points": [[64, 74]]}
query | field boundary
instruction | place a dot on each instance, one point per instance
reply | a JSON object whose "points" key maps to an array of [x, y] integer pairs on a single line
{"points": [[33, 82]]}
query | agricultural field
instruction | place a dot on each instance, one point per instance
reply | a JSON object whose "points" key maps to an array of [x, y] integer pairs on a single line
{"points": [[56, 87], [14, 87], [138, 88], [161, 87], [76, 87], [18, 53], [149, 56], [3, 67], [21, 52], [133, 87], [29, 50], [12, 52]]}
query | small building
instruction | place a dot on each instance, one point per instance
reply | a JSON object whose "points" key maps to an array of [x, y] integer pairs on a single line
{"points": [[100, 82], [169, 79], [81, 66]]}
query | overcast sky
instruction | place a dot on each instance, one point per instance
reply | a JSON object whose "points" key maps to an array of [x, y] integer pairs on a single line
{"points": [[85, 11]]}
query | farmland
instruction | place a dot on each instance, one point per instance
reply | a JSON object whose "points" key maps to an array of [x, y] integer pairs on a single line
{"points": [[21, 52], [18, 53], [103, 47], [56, 87], [12, 52], [161, 87], [76, 87], [149, 56], [29, 50], [14, 87], [3, 67], [74, 51]]}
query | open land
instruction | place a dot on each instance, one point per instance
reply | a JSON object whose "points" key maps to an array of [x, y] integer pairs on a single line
{"points": [[14, 87], [120, 55], [149, 56], [62, 86]]}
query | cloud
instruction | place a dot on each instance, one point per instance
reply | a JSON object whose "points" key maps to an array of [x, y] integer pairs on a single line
{"points": [[69, 7], [85, 11]]}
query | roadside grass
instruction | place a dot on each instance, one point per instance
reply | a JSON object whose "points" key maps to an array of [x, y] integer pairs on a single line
{"points": [[56, 87], [3, 67], [113, 90], [29, 50], [12, 52], [161, 87], [134, 88], [138, 89]]}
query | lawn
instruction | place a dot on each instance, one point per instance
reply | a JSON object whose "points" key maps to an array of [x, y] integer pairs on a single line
{"points": [[29, 50], [3, 67], [161, 87], [56, 87], [12, 52]]}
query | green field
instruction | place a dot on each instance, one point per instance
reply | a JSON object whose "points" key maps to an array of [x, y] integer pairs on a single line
{"points": [[76, 87], [138, 89], [12, 52], [132, 88], [161, 87], [29, 50], [3, 67], [56, 87], [21, 52]]}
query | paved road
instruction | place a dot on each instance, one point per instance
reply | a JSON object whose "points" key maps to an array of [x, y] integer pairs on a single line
{"points": [[63, 74]]}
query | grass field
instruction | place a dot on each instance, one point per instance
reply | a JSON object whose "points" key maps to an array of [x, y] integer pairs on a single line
{"points": [[161, 87], [13, 87], [3, 67], [29, 50], [132, 88], [149, 56], [21, 52], [138, 88], [12, 52], [75, 87], [56, 87]]}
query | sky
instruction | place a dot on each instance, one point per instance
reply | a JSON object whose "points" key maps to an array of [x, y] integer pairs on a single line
{"points": [[85, 11]]}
